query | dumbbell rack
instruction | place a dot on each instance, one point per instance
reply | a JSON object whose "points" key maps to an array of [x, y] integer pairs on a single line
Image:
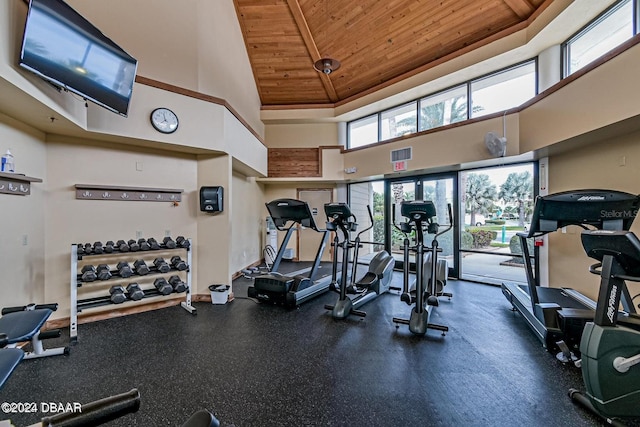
{"points": [[78, 305]]}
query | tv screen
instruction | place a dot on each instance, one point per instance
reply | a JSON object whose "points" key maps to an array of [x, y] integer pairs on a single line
{"points": [[67, 50]]}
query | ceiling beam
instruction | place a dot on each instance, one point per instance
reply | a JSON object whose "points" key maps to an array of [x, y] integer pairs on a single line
{"points": [[301, 22], [522, 8]]}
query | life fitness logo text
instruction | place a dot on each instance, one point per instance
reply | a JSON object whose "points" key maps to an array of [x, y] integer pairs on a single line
{"points": [[611, 310]]}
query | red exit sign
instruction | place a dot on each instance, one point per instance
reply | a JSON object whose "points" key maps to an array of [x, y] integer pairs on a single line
{"points": [[400, 166]]}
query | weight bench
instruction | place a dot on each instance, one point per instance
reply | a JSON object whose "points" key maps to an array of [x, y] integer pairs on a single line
{"points": [[23, 324], [9, 359]]}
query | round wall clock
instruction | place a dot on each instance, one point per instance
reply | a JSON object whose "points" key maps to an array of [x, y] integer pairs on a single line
{"points": [[164, 120]]}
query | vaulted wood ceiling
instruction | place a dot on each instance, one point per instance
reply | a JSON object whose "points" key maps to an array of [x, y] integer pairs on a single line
{"points": [[377, 42]]}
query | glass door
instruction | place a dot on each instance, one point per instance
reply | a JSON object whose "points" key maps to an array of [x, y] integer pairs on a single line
{"points": [[441, 190]]}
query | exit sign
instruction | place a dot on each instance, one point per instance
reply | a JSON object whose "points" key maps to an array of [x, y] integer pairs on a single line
{"points": [[400, 165]]}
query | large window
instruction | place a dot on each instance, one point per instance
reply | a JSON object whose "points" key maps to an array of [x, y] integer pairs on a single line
{"points": [[363, 131], [499, 91], [443, 108], [503, 90], [607, 31], [398, 121]]}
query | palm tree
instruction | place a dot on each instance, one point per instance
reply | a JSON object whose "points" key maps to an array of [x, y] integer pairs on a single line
{"points": [[518, 189], [479, 195]]}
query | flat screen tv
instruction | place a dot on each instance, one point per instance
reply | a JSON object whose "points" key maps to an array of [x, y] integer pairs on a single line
{"points": [[64, 48]]}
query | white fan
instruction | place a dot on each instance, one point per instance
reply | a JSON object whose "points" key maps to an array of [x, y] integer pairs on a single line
{"points": [[497, 145]]}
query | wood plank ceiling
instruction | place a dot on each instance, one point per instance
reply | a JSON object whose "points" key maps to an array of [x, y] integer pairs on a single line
{"points": [[377, 42]]}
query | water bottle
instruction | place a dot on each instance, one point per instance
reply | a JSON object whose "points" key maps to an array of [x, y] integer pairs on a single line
{"points": [[7, 164]]}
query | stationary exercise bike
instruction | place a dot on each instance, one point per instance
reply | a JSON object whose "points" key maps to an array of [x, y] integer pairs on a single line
{"points": [[420, 215], [610, 345], [376, 280]]}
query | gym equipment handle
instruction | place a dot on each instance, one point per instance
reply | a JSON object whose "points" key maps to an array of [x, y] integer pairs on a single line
{"points": [[623, 364], [7, 310], [98, 412]]}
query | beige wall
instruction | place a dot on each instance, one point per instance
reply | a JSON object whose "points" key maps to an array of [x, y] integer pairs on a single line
{"points": [[248, 225], [593, 166], [301, 135], [197, 45], [23, 217], [68, 220]]}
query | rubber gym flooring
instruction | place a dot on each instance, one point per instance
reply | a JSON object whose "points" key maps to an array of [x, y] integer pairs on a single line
{"points": [[253, 364]]}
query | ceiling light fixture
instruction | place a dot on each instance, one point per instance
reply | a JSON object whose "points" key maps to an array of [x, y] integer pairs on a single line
{"points": [[326, 65]]}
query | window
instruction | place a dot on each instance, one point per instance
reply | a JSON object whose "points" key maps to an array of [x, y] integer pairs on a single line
{"points": [[606, 32], [503, 90], [363, 131], [398, 121], [443, 108]]}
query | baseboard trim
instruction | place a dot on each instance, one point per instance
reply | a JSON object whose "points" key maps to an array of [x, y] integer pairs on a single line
{"points": [[126, 311]]}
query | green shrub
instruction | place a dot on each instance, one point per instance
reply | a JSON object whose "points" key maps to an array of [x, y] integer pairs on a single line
{"points": [[494, 221], [516, 248], [466, 240], [482, 238]]}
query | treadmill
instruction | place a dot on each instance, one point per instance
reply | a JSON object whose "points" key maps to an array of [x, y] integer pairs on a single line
{"points": [[295, 288], [559, 314]]}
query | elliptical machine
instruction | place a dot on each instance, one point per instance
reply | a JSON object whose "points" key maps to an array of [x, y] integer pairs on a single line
{"points": [[420, 215], [376, 280], [610, 345]]}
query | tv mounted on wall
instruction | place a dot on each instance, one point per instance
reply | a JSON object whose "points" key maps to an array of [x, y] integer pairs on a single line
{"points": [[65, 49]]}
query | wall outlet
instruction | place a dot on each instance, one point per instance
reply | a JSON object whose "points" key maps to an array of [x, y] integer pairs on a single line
{"points": [[25, 240], [138, 234], [167, 233]]}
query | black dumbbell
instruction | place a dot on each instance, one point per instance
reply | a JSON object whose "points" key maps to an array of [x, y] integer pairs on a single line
{"points": [[97, 248], [140, 267], [169, 243], [117, 294], [163, 286], [144, 245], [133, 245], [87, 249], [134, 292], [177, 284], [80, 248], [109, 246], [153, 243], [182, 242], [103, 272], [122, 246], [124, 269], [178, 263], [161, 265], [88, 273]]}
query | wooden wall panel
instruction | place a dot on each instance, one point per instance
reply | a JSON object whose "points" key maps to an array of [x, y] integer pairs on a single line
{"points": [[292, 162]]}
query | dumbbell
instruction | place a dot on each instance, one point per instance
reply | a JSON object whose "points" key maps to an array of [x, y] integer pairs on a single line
{"points": [[134, 292], [109, 246], [97, 248], [178, 263], [177, 284], [182, 242], [169, 243], [117, 294], [163, 286], [153, 243], [88, 273], [124, 269], [144, 245], [103, 272], [133, 245], [87, 249], [161, 265], [140, 267], [80, 248], [122, 246]]}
